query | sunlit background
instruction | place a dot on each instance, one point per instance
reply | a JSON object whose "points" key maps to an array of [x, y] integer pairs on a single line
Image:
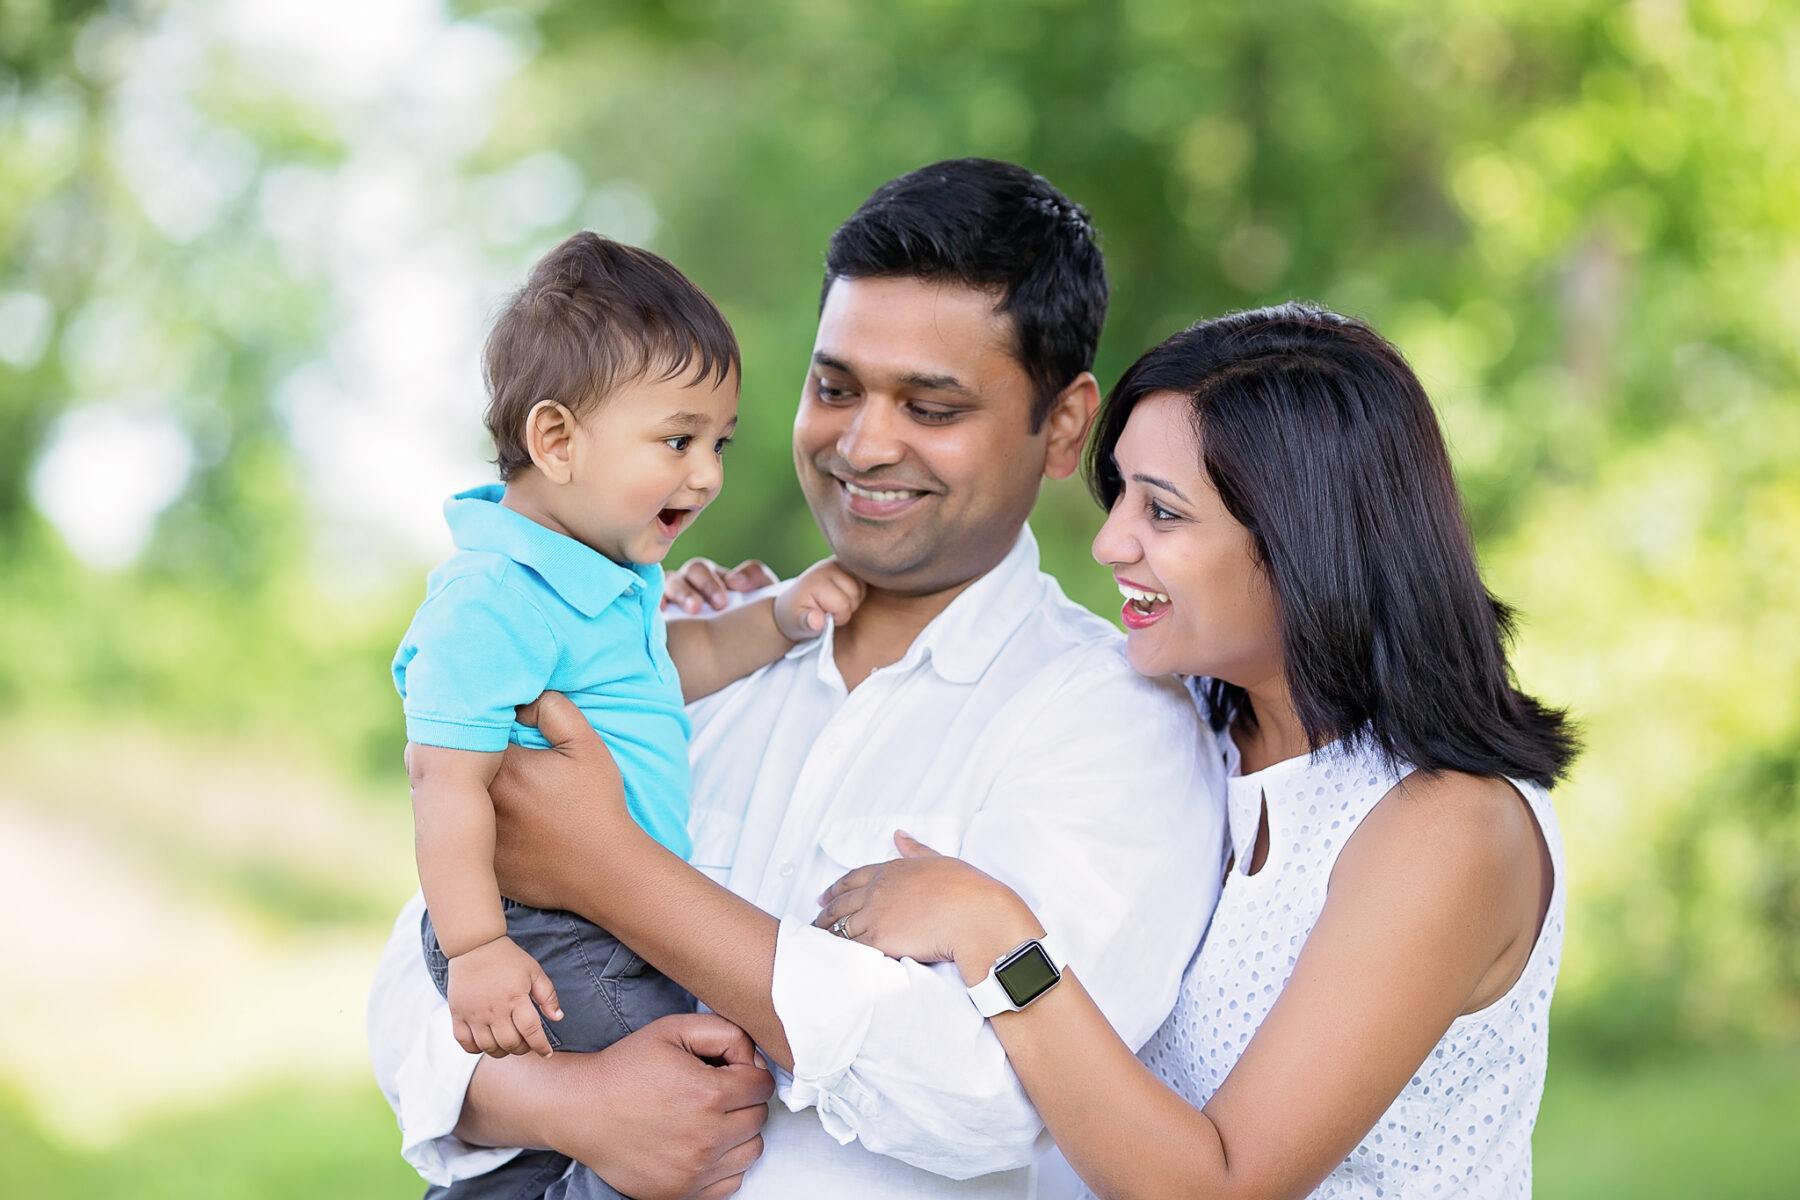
{"points": [[248, 249]]}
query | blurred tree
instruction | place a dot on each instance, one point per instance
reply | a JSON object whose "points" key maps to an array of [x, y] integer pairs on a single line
{"points": [[1580, 221]]}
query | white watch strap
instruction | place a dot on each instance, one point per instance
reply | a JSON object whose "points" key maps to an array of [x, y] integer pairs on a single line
{"points": [[991, 999]]}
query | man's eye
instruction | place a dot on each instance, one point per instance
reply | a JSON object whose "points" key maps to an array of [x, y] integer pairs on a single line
{"points": [[680, 443], [829, 394], [933, 416]]}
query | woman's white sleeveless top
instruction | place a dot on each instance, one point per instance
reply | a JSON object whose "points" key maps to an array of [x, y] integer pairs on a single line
{"points": [[1462, 1126]]}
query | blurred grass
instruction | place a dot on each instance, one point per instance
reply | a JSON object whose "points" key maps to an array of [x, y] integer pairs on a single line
{"points": [[1719, 1126], [302, 1143]]}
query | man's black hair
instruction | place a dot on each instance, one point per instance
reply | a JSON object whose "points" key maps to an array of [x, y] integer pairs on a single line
{"points": [[996, 227]]}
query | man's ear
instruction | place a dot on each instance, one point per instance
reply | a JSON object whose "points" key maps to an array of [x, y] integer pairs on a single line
{"points": [[550, 439], [1070, 416]]}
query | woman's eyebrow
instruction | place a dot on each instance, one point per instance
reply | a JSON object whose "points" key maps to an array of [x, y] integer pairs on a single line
{"points": [[1164, 484]]}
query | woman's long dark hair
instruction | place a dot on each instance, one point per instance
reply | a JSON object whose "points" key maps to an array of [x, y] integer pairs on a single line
{"points": [[1322, 443]]}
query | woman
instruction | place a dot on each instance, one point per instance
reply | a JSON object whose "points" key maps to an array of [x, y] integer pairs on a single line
{"points": [[1367, 1015]]}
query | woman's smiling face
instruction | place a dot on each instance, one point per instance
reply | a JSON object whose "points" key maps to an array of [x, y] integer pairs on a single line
{"points": [[1196, 601]]}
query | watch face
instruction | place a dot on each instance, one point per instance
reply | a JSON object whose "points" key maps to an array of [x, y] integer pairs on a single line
{"points": [[1027, 975]]}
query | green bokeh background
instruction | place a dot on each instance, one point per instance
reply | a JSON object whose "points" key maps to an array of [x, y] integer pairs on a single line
{"points": [[1580, 220]]}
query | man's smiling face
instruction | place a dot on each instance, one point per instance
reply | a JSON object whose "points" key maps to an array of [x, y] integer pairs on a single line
{"points": [[913, 440]]}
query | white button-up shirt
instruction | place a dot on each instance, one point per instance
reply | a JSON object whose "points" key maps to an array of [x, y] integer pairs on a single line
{"points": [[1012, 733]]}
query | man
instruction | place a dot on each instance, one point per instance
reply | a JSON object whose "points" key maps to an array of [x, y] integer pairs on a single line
{"points": [[967, 702]]}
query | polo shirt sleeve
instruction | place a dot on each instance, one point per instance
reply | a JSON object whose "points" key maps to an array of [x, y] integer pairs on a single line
{"points": [[477, 649]]}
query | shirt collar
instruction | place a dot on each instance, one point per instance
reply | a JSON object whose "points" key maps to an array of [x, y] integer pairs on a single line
{"points": [[963, 640], [582, 576], [967, 636]]}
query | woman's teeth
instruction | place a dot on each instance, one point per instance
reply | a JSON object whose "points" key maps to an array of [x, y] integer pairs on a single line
{"points": [[872, 494], [1144, 600]]}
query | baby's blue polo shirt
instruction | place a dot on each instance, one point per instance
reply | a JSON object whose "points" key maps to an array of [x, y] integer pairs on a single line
{"points": [[519, 610]]}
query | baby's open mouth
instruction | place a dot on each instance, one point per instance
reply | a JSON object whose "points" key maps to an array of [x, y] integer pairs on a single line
{"points": [[670, 520]]}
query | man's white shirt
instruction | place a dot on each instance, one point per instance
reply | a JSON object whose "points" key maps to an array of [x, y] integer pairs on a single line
{"points": [[1014, 734]]}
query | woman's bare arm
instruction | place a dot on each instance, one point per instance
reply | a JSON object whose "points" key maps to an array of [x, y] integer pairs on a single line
{"points": [[1434, 905]]}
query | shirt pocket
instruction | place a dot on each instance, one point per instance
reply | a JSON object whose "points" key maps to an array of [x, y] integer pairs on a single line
{"points": [[715, 834], [858, 841]]}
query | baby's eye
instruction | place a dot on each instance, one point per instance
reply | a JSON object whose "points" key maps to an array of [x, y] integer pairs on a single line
{"points": [[680, 443], [719, 446]]}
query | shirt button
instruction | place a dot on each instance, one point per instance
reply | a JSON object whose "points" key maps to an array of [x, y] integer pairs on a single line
{"points": [[785, 870]]}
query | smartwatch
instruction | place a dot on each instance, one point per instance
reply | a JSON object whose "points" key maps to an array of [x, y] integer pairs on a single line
{"points": [[1019, 976]]}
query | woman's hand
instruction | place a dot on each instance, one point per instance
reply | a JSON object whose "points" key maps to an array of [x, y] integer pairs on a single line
{"points": [[556, 811], [928, 907]]}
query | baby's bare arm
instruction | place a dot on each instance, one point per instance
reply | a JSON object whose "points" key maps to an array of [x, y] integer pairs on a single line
{"points": [[711, 652], [453, 837], [493, 982]]}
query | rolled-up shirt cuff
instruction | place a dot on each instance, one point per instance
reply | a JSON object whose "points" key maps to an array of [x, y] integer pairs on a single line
{"points": [[420, 1068], [432, 1085], [826, 990]]}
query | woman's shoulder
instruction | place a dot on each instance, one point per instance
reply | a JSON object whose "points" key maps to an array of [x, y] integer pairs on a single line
{"points": [[1477, 821], [1464, 842]]}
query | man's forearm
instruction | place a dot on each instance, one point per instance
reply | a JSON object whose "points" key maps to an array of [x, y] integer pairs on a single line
{"points": [[511, 1101], [566, 841], [711, 942]]}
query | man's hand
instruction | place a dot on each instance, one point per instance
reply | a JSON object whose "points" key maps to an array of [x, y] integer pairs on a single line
{"points": [[702, 582], [552, 807], [651, 1114], [492, 988]]}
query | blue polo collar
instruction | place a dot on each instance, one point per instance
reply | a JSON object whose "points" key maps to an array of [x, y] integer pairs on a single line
{"points": [[588, 580]]}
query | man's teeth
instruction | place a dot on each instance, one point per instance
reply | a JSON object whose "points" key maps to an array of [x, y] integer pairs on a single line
{"points": [[872, 494], [1143, 598]]}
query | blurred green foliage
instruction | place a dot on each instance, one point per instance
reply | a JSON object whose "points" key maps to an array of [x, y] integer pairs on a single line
{"points": [[1581, 221]]}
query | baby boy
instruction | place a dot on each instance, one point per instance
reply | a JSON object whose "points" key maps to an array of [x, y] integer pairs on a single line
{"points": [[613, 386]]}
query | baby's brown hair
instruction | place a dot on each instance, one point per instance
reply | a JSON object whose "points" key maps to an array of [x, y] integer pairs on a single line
{"points": [[594, 315]]}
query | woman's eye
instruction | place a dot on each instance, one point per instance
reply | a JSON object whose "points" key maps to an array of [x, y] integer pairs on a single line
{"points": [[679, 444], [1158, 512]]}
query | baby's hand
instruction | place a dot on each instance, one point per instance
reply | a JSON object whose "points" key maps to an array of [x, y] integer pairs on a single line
{"points": [[823, 590], [702, 582], [491, 990]]}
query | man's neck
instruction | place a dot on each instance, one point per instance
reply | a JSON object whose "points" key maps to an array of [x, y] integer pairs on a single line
{"points": [[884, 629]]}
